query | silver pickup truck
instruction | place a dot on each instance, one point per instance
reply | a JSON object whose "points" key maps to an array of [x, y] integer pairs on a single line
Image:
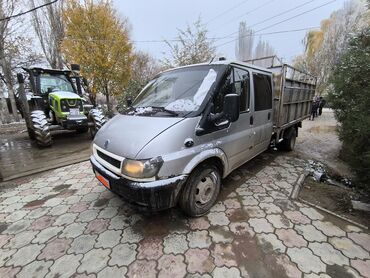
{"points": [[192, 126]]}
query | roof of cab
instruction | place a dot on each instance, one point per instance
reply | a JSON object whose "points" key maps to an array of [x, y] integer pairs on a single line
{"points": [[65, 94], [226, 62]]}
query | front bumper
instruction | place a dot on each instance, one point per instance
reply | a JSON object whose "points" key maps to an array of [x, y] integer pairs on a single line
{"points": [[75, 122], [151, 196]]}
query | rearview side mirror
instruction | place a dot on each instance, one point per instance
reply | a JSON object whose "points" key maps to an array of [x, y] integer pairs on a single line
{"points": [[75, 67], [232, 107]]}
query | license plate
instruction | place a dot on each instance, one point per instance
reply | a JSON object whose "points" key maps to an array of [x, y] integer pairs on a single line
{"points": [[103, 180], [74, 112]]}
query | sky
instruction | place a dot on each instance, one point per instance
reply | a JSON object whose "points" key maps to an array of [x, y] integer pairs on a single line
{"points": [[161, 19]]}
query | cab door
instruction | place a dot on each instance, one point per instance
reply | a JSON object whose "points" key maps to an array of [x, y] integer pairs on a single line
{"points": [[262, 118], [239, 136]]}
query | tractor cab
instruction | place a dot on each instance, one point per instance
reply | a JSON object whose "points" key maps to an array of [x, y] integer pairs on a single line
{"points": [[55, 99]]}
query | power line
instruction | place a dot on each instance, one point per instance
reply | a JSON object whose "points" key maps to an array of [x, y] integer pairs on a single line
{"points": [[225, 12], [308, 11], [28, 11], [251, 11], [271, 33], [275, 16], [163, 41], [284, 12], [282, 21]]}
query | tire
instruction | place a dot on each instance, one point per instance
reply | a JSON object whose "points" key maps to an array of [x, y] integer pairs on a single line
{"points": [[201, 190], [288, 143], [31, 133], [97, 117], [40, 128]]}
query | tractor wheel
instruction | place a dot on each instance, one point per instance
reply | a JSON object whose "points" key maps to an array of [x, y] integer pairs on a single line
{"points": [[97, 117], [40, 128], [30, 132]]}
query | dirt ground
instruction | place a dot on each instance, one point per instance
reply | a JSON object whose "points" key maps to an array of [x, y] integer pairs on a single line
{"points": [[19, 156], [318, 141]]}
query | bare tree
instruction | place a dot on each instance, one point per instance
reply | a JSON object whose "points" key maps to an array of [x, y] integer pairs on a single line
{"points": [[144, 67], [4, 115], [7, 8], [193, 47], [16, 49], [245, 48], [263, 49], [48, 24], [245, 42]]}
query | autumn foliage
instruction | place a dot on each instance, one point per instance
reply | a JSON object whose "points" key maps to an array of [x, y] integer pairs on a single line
{"points": [[98, 40]]}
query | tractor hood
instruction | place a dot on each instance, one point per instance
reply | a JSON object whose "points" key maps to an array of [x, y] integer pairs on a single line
{"points": [[64, 95], [126, 135]]}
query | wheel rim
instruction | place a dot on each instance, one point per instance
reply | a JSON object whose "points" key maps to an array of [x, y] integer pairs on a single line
{"points": [[205, 189]]}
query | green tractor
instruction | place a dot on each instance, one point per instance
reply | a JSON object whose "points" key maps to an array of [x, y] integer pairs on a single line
{"points": [[54, 100]]}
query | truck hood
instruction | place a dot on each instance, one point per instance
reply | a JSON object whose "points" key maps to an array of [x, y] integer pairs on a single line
{"points": [[127, 135]]}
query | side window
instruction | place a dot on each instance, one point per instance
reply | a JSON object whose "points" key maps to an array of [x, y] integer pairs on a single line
{"points": [[262, 92], [241, 83], [226, 88]]}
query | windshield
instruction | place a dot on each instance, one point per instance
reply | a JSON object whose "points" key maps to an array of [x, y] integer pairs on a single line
{"points": [[182, 90], [55, 83]]}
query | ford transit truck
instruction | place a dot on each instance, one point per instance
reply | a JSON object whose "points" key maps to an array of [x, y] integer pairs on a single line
{"points": [[191, 126]]}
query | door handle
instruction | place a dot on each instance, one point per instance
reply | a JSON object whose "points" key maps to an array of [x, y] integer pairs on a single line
{"points": [[269, 116], [251, 120]]}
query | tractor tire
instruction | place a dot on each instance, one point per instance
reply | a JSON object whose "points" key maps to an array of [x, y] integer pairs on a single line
{"points": [[97, 117], [40, 128], [30, 132]]}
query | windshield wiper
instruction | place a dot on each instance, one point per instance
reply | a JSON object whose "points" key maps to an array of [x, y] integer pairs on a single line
{"points": [[162, 109]]}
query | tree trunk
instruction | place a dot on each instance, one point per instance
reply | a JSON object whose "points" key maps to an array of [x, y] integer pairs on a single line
{"points": [[12, 102], [9, 85], [108, 103], [107, 97], [4, 113]]}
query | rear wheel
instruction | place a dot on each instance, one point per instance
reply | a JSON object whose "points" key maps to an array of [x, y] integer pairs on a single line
{"points": [[40, 128], [97, 117], [201, 190], [288, 143]]}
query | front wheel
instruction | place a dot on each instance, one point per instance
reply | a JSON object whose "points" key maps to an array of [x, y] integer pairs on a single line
{"points": [[201, 190], [40, 128], [97, 117]]}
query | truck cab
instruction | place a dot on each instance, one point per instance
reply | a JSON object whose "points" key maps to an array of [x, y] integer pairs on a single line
{"points": [[187, 129]]}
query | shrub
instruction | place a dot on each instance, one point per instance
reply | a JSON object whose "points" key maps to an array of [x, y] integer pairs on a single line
{"points": [[350, 98]]}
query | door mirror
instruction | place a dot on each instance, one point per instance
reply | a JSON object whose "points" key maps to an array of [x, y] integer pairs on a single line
{"points": [[232, 107], [75, 67]]}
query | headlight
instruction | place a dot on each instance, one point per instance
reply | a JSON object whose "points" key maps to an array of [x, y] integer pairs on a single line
{"points": [[141, 168]]}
